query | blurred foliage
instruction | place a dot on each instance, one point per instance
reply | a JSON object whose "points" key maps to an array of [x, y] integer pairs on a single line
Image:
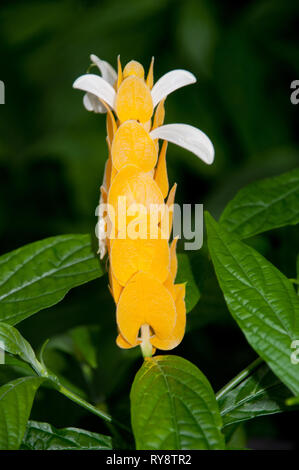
{"points": [[52, 155]]}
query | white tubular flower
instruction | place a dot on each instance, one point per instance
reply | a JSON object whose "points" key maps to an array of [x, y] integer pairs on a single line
{"points": [[91, 101], [170, 82], [101, 234], [188, 137], [107, 71], [97, 87]]}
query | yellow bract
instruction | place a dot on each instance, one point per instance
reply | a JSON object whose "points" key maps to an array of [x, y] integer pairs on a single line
{"points": [[134, 100], [179, 329], [150, 75], [122, 343], [133, 68], [130, 256], [161, 177], [159, 115], [110, 125], [145, 300], [169, 283], [133, 145], [134, 187], [115, 286]]}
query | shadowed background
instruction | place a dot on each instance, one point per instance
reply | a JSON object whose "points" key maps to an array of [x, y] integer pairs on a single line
{"points": [[52, 156]]}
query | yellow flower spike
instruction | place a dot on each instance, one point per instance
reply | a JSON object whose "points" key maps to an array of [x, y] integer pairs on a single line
{"points": [[134, 100], [119, 73], [133, 68], [150, 75], [179, 330], [161, 176], [159, 115], [142, 271], [130, 256], [115, 287], [133, 145], [137, 188], [145, 301]]}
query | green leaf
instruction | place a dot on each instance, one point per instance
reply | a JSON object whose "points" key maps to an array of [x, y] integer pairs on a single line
{"points": [[16, 400], [237, 439], [173, 407], [39, 275], [43, 436], [260, 394], [16, 366], [185, 274], [263, 205], [14, 343], [260, 298]]}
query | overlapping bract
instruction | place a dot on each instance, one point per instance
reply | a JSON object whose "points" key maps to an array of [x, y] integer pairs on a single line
{"points": [[150, 306]]}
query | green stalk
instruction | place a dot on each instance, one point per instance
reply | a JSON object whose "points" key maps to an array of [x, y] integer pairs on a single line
{"points": [[80, 401], [241, 376], [42, 371]]}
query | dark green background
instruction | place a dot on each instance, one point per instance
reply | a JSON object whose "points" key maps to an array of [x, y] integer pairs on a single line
{"points": [[52, 155]]}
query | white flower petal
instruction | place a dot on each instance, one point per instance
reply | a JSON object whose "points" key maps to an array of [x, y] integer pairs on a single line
{"points": [[97, 86], [102, 237], [170, 82], [92, 103], [102, 249], [107, 71], [101, 226], [188, 137]]}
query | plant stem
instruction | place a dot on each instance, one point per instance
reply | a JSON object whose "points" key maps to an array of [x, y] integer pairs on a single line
{"points": [[80, 401], [42, 371], [241, 376]]}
